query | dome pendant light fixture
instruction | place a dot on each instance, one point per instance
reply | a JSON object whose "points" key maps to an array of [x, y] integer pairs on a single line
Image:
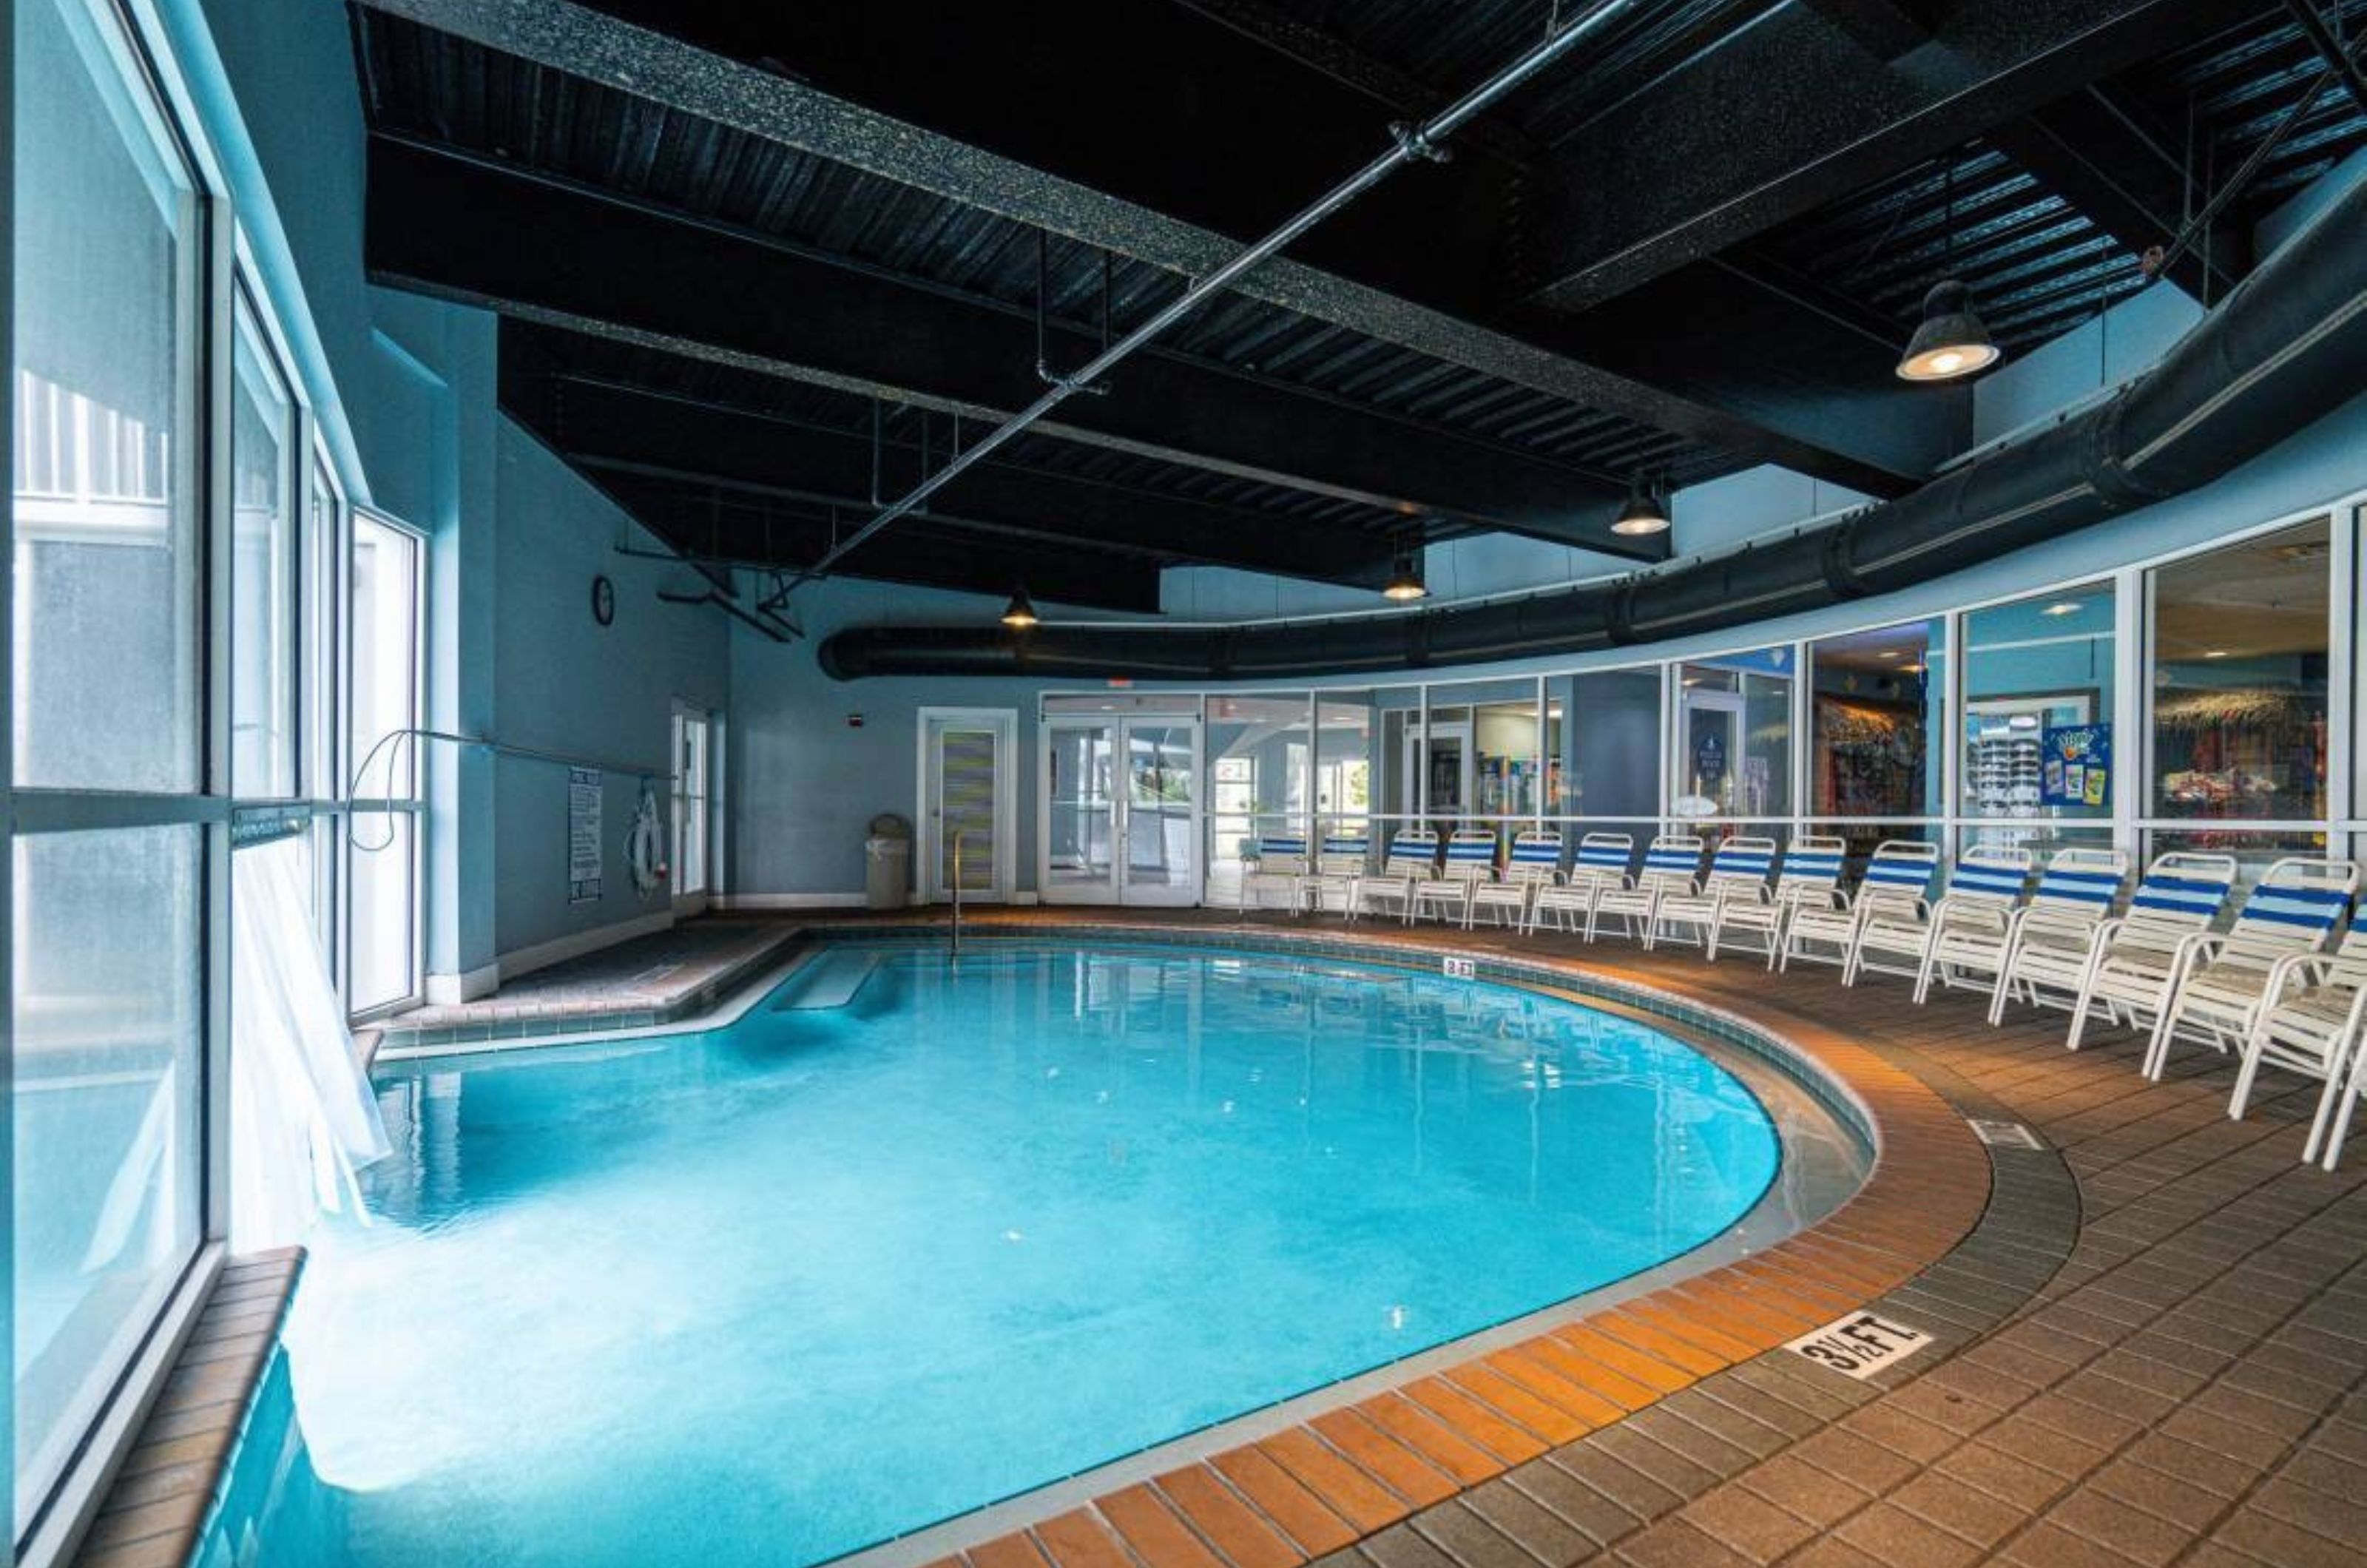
{"points": [[1406, 584], [1020, 615], [1952, 343], [1644, 512]]}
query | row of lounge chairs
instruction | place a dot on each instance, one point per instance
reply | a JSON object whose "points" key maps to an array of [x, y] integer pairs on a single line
{"points": [[2275, 978]]}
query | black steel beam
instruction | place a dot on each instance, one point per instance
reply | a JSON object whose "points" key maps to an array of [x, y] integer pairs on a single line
{"points": [[749, 528], [539, 251], [605, 426], [1793, 113], [1883, 28], [1400, 279], [2099, 153]]}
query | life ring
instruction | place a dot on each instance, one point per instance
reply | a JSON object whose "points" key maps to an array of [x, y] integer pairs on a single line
{"points": [[645, 847]]}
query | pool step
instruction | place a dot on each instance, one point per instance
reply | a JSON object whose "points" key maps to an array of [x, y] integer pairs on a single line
{"points": [[836, 977]]}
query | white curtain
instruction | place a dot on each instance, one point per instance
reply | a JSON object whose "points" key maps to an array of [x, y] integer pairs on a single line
{"points": [[303, 1118]]}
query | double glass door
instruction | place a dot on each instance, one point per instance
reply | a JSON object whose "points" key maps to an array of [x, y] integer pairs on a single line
{"points": [[1122, 811]]}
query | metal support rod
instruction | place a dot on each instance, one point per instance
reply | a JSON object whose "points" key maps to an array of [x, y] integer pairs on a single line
{"points": [[957, 893], [1410, 142], [2343, 64]]}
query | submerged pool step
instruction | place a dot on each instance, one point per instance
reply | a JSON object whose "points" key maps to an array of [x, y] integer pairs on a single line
{"points": [[836, 979]]}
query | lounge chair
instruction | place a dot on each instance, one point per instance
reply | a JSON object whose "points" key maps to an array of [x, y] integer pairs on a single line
{"points": [[1671, 867], [1602, 862], [1411, 861], [1331, 885], [2310, 1023], [1470, 861], [1900, 875], [2223, 978], [1535, 866], [1279, 861], [2075, 894], [1984, 892], [1737, 872], [1809, 879], [2131, 963]]}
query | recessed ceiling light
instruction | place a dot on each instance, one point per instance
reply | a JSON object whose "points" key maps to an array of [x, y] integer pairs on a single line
{"points": [[2067, 607], [2214, 653], [1910, 669], [1889, 653]]}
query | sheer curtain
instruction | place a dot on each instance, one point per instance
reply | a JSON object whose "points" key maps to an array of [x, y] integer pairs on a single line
{"points": [[303, 1118]]}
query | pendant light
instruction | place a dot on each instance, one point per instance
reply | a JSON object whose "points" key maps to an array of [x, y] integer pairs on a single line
{"points": [[1952, 343], [1019, 615], [1643, 513], [1405, 584]]}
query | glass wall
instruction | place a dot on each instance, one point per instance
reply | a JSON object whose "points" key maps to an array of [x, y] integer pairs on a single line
{"points": [[263, 646], [382, 960], [2037, 739], [2242, 643], [1260, 770], [1731, 741], [1875, 699], [107, 925], [1346, 789]]}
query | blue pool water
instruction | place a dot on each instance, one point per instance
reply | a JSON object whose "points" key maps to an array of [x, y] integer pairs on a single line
{"points": [[776, 1291]]}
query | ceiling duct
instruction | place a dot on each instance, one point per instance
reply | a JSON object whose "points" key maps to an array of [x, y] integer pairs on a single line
{"points": [[2285, 348]]}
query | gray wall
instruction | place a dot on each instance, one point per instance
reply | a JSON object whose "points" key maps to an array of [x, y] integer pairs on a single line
{"points": [[563, 682]]}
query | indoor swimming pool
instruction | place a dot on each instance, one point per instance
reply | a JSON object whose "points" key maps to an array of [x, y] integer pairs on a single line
{"points": [[916, 1233]]}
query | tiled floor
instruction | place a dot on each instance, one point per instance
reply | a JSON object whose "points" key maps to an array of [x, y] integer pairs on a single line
{"points": [[2152, 1350]]}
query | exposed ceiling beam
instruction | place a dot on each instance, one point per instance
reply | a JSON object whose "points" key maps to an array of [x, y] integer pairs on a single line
{"points": [[535, 250], [748, 528], [2099, 152], [1793, 113], [603, 425], [1883, 28], [774, 103]]}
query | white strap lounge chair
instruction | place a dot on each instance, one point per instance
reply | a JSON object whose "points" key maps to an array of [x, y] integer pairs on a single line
{"points": [[1984, 895], [1810, 879], [1331, 885], [2075, 894], [1898, 876], [1671, 867], [2223, 978], [1276, 865], [1535, 864], [2130, 964], [1737, 872], [1412, 860], [2310, 1024], [1470, 861], [1602, 861]]}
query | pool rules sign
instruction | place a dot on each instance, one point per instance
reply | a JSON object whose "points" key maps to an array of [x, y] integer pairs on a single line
{"points": [[1860, 1345], [583, 835]]}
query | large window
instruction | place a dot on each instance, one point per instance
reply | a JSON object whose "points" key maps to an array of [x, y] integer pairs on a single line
{"points": [[1732, 745], [1260, 767], [2039, 747], [105, 314], [262, 594], [692, 734], [382, 962], [1344, 796], [1609, 749], [107, 929]]}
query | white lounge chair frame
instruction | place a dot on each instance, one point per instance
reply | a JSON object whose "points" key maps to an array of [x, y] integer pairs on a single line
{"points": [[1345, 858], [1601, 863], [1809, 878], [2130, 964], [2311, 1024], [1534, 863], [2223, 978], [1672, 866], [1900, 874], [1470, 861], [1738, 870], [1280, 861], [2046, 942], [1412, 860]]}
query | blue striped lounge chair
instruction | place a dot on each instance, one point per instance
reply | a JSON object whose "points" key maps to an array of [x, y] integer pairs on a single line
{"points": [[1470, 861], [1810, 878], [1274, 864], [2223, 976], [1412, 860], [1896, 936], [1601, 863], [1331, 885], [1671, 867], [2129, 966], [1737, 872], [2076, 892], [1899, 876], [2312, 1023], [1534, 865]]}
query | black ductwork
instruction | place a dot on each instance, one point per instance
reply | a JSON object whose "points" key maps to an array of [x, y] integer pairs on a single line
{"points": [[2285, 349]]}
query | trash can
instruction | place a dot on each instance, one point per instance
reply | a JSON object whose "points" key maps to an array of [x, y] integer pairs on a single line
{"points": [[888, 862]]}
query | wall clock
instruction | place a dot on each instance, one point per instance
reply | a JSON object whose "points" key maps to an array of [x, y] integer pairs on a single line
{"points": [[603, 601]]}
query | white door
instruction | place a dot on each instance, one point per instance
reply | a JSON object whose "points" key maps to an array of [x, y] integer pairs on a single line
{"points": [[1709, 754], [1121, 819], [966, 812]]}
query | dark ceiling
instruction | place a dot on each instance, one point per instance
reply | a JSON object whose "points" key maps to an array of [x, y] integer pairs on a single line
{"points": [[761, 268]]}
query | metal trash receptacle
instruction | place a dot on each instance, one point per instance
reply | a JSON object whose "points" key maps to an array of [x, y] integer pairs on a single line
{"points": [[887, 862]]}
